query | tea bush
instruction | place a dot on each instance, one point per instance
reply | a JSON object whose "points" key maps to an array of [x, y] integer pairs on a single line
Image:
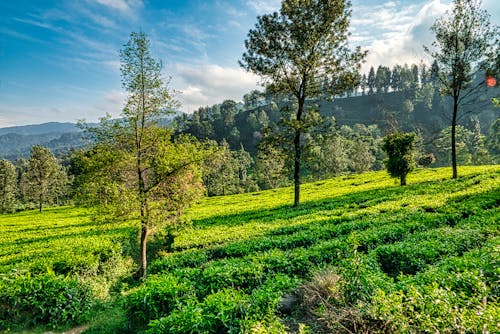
{"points": [[43, 299]]}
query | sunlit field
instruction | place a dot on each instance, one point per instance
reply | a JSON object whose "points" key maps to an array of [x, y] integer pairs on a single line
{"points": [[414, 257]]}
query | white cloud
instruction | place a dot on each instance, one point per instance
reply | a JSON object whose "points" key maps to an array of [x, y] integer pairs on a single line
{"points": [[264, 6], [124, 6], [398, 34], [209, 84], [110, 102]]}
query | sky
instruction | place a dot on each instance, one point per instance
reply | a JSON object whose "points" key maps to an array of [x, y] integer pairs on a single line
{"points": [[59, 59]]}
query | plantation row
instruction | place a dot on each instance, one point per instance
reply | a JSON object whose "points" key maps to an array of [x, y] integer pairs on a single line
{"points": [[398, 259], [236, 284]]}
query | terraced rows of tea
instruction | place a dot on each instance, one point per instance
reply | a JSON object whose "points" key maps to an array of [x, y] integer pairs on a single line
{"points": [[423, 257]]}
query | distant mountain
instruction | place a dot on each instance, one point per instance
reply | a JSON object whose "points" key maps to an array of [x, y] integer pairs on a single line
{"points": [[16, 141], [40, 129]]}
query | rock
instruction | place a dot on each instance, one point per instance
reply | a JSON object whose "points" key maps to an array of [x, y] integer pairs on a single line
{"points": [[287, 303]]}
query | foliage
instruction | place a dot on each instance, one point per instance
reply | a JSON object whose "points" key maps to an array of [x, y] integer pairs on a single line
{"points": [[393, 251], [470, 147], [227, 172], [8, 186], [46, 256], [243, 252], [44, 174], [43, 299], [135, 167], [400, 149]]}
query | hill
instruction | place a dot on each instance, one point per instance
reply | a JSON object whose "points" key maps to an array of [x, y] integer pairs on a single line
{"points": [[40, 129], [361, 252], [16, 142]]}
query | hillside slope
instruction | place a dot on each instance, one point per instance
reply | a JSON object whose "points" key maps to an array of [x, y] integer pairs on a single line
{"points": [[361, 254], [432, 240]]}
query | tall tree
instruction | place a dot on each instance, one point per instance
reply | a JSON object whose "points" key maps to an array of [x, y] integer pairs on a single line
{"points": [[396, 78], [424, 74], [362, 84], [383, 79], [297, 50], [465, 42], [371, 81], [43, 169], [415, 77], [8, 186], [434, 72], [135, 156]]}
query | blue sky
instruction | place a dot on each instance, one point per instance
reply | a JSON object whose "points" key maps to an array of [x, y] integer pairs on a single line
{"points": [[59, 58]]}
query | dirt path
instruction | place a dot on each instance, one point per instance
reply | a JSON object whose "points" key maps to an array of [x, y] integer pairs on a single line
{"points": [[76, 330]]}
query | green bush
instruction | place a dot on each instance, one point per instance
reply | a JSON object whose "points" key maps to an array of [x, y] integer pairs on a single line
{"points": [[220, 312], [158, 296], [421, 249], [433, 309], [241, 273], [168, 263], [47, 300]]}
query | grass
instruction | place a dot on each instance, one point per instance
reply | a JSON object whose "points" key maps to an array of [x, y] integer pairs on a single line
{"points": [[393, 248]]}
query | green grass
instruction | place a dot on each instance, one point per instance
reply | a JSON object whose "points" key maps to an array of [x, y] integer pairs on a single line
{"points": [[58, 266], [394, 246], [65, 240]]}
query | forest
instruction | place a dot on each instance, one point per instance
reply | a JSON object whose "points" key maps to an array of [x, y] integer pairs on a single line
{"points": [[330, 201]]}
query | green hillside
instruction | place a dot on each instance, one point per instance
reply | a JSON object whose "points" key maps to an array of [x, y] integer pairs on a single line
{"points": [[360, 254]]}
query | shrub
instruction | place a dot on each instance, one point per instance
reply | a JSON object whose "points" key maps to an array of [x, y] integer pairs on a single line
{"points": [[416, 252], [400, 149], [433, 309], [43, 300], [240, 273], [158, 296], [220, 312], [426, 159]]}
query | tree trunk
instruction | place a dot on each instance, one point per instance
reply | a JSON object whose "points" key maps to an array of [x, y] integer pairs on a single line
{"points": [[40, 202], [144, 241], [144, 221], [453, 138], [403, 180], [296, 170], [297, 155]]}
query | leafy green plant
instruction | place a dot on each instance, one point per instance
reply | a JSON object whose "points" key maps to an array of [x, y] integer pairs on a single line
{"points": [[158, 296], [43, 299]]}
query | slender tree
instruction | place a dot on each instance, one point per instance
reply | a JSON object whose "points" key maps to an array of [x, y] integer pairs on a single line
{"points": [[465, 43], [371, 81], [135, 165], [396, 78], [8, 186], [296, 51]]}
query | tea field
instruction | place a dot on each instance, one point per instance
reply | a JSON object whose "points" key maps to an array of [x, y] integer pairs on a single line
{"points": [[361, 254]]}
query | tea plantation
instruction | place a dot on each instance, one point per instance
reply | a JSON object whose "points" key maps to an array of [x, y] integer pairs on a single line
{"points": [[361, 254]]}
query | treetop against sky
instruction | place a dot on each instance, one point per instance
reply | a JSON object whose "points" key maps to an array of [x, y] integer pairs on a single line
{"points": [[59, 58]]}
